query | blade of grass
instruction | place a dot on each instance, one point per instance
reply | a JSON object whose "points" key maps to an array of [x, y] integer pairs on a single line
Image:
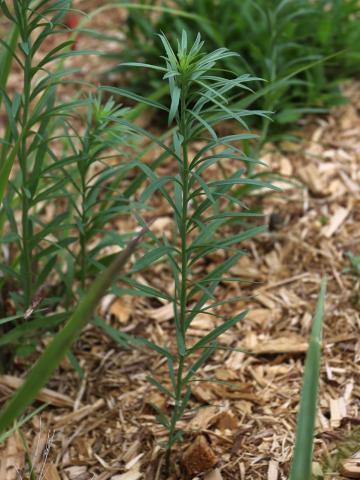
{"points": [[302, 460], [58, 348], [21, 422]]}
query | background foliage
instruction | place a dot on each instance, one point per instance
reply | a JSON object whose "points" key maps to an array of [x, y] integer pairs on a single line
{"points": [[286, 43]]}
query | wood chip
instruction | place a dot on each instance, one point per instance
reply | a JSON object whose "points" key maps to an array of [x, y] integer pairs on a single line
{"points": [[205, 417], [155, 399], [12, 460], [133, 474], [162, 314], [214, 475], [121, 309], [337, 411], [45, 395], [51, 472], [289, 344], [335, 222], [311, 176], [199, 457], [273, 470], [350, 468], [226, 421], [78, 414]]}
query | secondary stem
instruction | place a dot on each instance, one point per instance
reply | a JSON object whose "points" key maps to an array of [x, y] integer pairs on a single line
{"points": [[83, 234], [26, 222]]}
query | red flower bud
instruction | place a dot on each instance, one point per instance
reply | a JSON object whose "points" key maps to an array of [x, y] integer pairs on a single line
{"points": [[72, 21]]}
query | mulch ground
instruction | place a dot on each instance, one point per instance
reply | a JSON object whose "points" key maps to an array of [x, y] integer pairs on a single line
{"points": [[242, 414]]}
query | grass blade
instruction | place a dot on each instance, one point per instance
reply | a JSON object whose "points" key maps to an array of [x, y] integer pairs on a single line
{"points": [[302, 460], [58, 348]]}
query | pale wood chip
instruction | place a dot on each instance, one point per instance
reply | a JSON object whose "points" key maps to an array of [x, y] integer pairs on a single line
{"points": [[337, 411], [76, 471], [265, 300], [273, 470], [161, 225], [45, 395], [289, 344], [335, 222], [131, 463], [133, 474], [205, 417], [162, 314], [283, 282], [260, 315], [132, 451], [78, 414], [311, 176], [214, 475]]}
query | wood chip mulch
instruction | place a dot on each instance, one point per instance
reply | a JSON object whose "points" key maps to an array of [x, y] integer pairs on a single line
{"points": [[241, 426]]}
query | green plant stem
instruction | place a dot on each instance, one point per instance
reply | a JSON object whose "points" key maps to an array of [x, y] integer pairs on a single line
{"points": [[183, 231], [83, 234], [175, 413], [26, 225], [184, 272]]}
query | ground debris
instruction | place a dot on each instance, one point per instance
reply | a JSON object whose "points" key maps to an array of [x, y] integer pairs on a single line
{"points": [[350, 467], [199, 457]]}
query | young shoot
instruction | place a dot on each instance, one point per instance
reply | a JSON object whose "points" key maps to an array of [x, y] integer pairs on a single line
{"points": [[202, 206]]}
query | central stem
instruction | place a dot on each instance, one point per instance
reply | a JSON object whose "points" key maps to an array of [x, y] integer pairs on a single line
{"points": [[184, 271]]}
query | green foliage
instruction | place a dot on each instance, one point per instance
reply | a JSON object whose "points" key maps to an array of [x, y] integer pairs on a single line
{"points": [[302, 460], [274, 39], [56, 166], [355, 263], [56, 351], [45, 158], [201, 205]]}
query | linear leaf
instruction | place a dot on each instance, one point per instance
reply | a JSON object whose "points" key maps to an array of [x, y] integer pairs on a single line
{"points": [[304, 440]]}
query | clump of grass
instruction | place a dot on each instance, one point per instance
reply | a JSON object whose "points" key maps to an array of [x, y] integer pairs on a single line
{"points": [[283, 42]]}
